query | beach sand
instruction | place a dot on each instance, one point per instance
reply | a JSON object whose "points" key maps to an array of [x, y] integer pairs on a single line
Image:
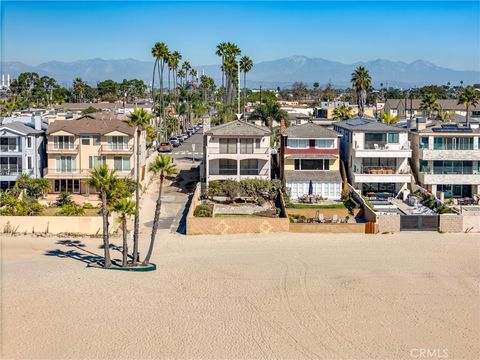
{"points": [[254, 296]]}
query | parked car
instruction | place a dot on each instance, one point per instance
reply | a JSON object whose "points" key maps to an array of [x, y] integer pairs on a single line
{"points": [[174, 141], [165, 147], [184, 136], [190, 132]]}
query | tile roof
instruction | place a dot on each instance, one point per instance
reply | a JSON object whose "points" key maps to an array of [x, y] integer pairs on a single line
{"points": [[90, 126], [310, 131], [21, 128], [314, 175], [239, 128], [367, 124]]}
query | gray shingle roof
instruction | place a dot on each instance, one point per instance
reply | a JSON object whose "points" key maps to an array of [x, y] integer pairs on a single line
{"points": [[90, 126], [21, 128], [314, 175], [310, 131], [366, 124], [239, 128]]}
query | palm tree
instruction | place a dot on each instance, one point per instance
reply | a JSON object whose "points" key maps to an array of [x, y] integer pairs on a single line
{"points": [[269, 112], [181, 74], [78, 89], [139, 119], [161, 54], [468, 97], [124, 208], [175, 61], [246, 64], [389, 119], [163, 167], [361, 82], [193, 74], [104, 180], [342, 112], [429, 104], [222, 52], [186, 68]]}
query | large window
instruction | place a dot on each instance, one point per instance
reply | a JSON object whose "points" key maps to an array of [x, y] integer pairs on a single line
{"points": [[65, 164], [312, 164], [249, 167], [85, 140], [96, 161], [121, 163], [453, 143], [393, 138], [424, 142], [298, 143], [373, 165], [246, 146], [10, 144], [325, 143], [117, 142], [63, 142], [227, 167], [228, 146], [68, 185], [452, 167], [10, 165]]}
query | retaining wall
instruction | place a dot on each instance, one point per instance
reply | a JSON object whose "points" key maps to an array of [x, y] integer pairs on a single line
{"points": [[327, 228], [388, 223], [88, 225]]}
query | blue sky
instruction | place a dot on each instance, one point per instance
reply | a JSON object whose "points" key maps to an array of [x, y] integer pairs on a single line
{"points": [[445, 33]]}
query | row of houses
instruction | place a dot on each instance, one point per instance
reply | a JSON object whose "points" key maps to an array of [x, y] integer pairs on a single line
{"points": [[379, 160]]}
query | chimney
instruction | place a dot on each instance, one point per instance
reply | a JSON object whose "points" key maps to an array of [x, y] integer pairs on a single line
{"points": [[37, 119], [421, 123], [282, 127]]}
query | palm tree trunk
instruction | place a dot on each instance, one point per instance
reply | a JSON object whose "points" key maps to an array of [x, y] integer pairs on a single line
{"points": [[244, 92], [467, 124], [156, 220], [106, 246], [153, 82], [136, 224], [125, 242]]}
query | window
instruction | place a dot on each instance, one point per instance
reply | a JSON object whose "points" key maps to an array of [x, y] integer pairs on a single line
{"points": [[117, 142], [298, 143], [312, 164], [63, 142], [246, 146], [325, 143], [121, 163], [393, 138], [452, 167], [453, 143], [69, 185], [257, 143], [96, 139], [10, 165], [424, 142], [85, 140], [9, 144], [29, 142], [249, 167], [227, 167], [96, 161], [228, 146], [29, 163], [65, 164]]}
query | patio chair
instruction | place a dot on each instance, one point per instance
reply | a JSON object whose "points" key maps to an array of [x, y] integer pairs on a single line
{"points": [[321, 218], [335, 218]]}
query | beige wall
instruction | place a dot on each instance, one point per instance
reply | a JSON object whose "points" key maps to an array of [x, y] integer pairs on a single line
{"points": [[89, 225], [388, 223], [327, 228]]}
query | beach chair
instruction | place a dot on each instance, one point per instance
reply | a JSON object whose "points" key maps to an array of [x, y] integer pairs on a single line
{"points": [[335, 218], [321, 218]]}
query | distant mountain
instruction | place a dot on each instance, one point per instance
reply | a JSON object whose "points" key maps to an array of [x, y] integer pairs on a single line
{"points": [[281, 72]]}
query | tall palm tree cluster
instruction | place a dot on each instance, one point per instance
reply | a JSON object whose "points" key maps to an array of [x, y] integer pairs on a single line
{"points": [[116, 193], [183, 78], [231, 65]]}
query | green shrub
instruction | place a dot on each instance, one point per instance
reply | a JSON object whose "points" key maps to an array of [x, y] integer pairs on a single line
{"points": [[261, 201], [72, 209], [12, 206], [214, 188], [231, 189], [257, 187], [64, 198], [202, 210], [87, 206]]}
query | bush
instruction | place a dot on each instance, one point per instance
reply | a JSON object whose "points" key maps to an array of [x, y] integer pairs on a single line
{"points": [[257, 187], [64, 198], [214, 188], [231, 189], [202, 210], [72, 209], [87, 206], [12, 206], [260, 201]]}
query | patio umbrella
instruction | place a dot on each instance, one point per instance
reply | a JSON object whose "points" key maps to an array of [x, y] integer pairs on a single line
{"points": [[310, 188]]}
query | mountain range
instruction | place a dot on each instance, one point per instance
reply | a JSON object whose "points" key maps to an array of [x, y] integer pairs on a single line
{"points": [[282, 72]]}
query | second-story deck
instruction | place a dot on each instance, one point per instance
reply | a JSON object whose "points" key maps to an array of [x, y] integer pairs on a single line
{"points": [[79, 174]]}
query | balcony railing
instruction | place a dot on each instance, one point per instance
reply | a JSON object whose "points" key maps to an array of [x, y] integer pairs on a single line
{"points": [[62, 150], [108, 149], [10, 148], [77, 173], [384, 146], [379, 170], [261, 151], [15, 172]]}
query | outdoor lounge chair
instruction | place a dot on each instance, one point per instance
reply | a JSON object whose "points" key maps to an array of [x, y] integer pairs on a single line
{"points": [[321, 218], [335, 218]]}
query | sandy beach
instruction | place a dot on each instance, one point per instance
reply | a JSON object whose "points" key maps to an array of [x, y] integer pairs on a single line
{"points": [[269, 296]]}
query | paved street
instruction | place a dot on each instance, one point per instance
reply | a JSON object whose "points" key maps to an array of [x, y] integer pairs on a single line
{"points": [[184, 151]]}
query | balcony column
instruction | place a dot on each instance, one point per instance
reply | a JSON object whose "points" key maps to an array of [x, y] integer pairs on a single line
{"points": [[238, 169]]}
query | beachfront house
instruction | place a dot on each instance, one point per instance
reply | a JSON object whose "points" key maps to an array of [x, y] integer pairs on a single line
{"points": [[376, 156], [309, 161], [76, 147], [236, 150]]}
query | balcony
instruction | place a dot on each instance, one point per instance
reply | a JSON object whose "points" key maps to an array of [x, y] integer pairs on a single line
{"points": [[10, 148], [15, 172], [429, 178], [383, 151], [381, 174], [51, 149], [79, 174], [431, 154], [106, 149]]}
